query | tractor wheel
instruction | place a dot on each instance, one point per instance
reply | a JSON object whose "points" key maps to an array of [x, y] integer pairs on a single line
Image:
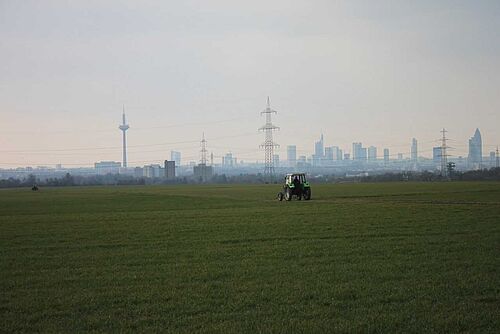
{"points": [[280, 196], [299, 197], [288, 194], [307, 194]]}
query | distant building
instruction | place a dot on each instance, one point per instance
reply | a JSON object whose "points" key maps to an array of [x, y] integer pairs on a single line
{"points": [[291, 155], [493, 159], [302, 159], [228, 160], [152, 171], [138, 172], [176, 157], [400, 156], [319, 148], [475, 150], [386, 155], [107, 167], [337, 153], [203, 172], [372, 153], [414, 150], [329, 153], [347, 156], [276, 160], [169, 170], [358, 152], [436, 155]]}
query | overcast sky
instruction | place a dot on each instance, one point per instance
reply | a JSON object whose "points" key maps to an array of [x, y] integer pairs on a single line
{"points": [[379, 72]]}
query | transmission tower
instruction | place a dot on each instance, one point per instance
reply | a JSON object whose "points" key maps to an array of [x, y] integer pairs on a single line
{"points": [[444, 156], [269, 145], [203, 150]]}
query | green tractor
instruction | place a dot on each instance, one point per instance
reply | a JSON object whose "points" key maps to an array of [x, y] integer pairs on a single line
{"points": [[295, 185]]}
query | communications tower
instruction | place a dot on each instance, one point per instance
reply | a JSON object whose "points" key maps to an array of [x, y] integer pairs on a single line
{"points": [[269, 145], [124, 127]]}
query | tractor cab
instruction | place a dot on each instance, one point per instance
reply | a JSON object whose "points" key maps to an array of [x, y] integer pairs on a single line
{"points": [[296, 185]]}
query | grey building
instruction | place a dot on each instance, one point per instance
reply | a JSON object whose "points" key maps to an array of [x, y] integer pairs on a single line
{"points": [[386, 155], [414, 150], [372, 153], [358, 151], [169, 170], [203, 172], [107, 167], [329, 153]]}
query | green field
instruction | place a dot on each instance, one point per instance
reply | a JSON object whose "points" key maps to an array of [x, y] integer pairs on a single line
{"points": [[388, 257]]}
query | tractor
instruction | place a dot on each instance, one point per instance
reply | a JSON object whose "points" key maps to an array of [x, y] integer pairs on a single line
{"points": [[295, 185]]}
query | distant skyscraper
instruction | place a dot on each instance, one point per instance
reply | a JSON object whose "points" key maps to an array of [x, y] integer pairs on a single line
{"points": [[436, 155], [414, 150], [357, 151], [476, 150], [169, 170], [493, 158], [337, 153], [372, 153], [228, 160], [176, 156], [386, 154], [329, 153], [319, 148], [291, 155]]}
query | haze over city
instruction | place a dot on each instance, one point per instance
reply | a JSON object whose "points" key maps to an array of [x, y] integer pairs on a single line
{"points": [[379, 73]]}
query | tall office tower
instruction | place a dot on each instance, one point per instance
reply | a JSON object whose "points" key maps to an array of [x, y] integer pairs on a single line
{"points": [[291, 155], [436, 154], [319, 150], [228, 160], [386, 155], [176, 156], [124, 127], [414, 150], [329, 153], [372, 153], [475, 150], [493, 158], [356, 151]]}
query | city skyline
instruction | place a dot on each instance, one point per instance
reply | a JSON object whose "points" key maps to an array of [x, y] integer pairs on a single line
{"points": [[351, 71]]}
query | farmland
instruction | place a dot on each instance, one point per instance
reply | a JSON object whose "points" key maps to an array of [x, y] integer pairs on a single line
{"points": [[412, 257]]}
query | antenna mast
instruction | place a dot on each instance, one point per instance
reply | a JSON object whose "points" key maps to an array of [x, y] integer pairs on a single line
{"points": [[269, 145]]}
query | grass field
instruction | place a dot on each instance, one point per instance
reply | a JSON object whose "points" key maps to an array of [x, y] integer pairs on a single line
{"points": [[393, 257]]}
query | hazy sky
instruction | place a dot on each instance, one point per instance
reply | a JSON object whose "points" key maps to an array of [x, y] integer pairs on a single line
{"points": [[379, 72]]}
